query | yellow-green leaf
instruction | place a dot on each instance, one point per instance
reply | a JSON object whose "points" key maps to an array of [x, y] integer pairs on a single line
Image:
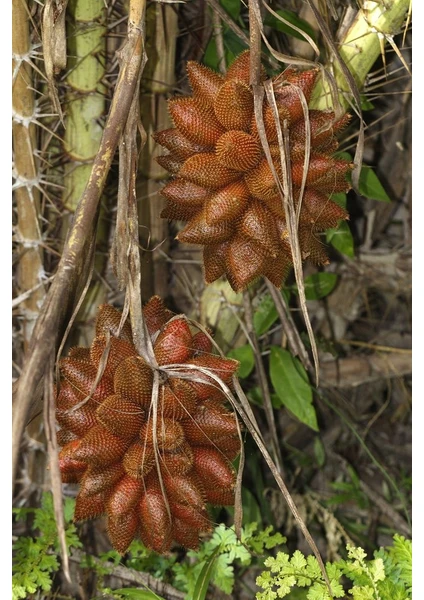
{"points": [[137, 594]]}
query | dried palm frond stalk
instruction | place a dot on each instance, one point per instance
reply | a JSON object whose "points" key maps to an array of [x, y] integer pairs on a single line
{"points": [[157, 82], [149, 455], [223, 184]]}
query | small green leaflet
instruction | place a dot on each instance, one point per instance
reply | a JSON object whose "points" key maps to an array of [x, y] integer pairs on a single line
{"points": [[244, 354], [319, 451], [370, 186], [341, 239], [319, 285], [344, 156], [291, 384], [290, 16], [366, 104], [265, 315]]}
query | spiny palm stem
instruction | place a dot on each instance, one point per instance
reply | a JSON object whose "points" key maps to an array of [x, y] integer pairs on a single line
{"points": [[85, 105], [27, 183], [374, 26]]}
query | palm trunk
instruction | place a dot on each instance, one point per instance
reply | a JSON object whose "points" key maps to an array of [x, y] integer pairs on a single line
{"points": [[30, 272]]}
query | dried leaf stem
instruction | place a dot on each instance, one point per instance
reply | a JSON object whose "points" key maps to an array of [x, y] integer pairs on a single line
{"points": [[297, 347], [126, 250], [263, 382], [219, 40], [54, 46], [52, 448], [285, 184]]}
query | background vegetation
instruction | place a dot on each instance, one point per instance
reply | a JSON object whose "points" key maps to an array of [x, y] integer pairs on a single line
{"points": [[343, 448]]}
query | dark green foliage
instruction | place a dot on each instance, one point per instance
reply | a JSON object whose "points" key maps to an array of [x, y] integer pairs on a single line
{"points": [[341, 239], [371, 187], [265, 315], [232, 43]]}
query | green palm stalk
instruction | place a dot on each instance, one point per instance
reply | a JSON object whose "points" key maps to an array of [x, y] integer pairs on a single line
{"points": [[84, 109], [373, 27], [85, 100]]}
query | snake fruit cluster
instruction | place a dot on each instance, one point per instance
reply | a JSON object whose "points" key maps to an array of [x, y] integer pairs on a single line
{"points": [[151, 467], [223, 186]]}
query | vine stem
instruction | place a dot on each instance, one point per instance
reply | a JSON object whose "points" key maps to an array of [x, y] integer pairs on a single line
{"points": [[263, 382]]}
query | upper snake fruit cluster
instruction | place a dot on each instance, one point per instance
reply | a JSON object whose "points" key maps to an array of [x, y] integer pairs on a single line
{"points": [[223, 185], [151, 472]]}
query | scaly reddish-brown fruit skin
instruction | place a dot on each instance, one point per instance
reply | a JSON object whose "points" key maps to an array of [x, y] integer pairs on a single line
{"points": [[223, 186], [108, 437]]}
